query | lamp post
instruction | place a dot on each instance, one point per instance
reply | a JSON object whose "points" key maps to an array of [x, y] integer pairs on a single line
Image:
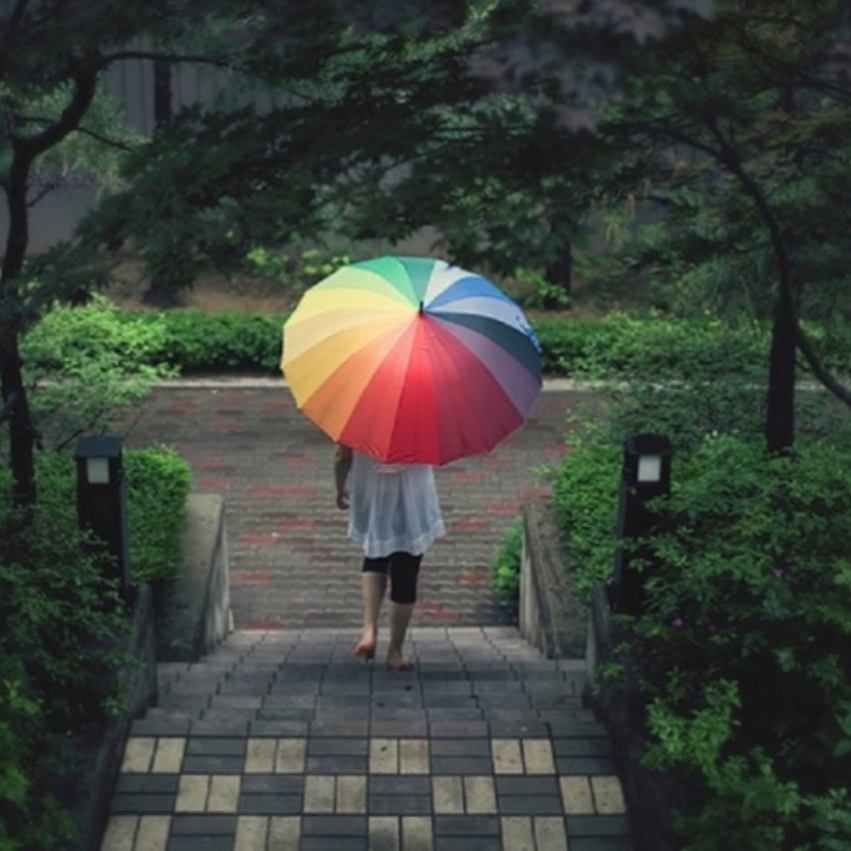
{"points": [[102, 500], [646, 474]]}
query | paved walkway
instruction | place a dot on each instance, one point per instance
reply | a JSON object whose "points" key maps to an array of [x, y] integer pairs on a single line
{"points": [[281, 741], [291, 563]]}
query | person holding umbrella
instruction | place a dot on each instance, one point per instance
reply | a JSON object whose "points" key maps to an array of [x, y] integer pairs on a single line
{"points": [[406, 363], [394, 514]]}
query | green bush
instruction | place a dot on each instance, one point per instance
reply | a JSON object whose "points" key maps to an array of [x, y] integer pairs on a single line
{"points": [[505, 568], [646, 346], [61, 617], [618, 345], [566, 343], [585, 499], [743, 656], [86, 365], [158, 484], [658, 347], [197, 341], [745, 650]]}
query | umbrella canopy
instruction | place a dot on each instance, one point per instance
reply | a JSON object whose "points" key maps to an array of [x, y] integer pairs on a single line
{"points": [[411, 360]]}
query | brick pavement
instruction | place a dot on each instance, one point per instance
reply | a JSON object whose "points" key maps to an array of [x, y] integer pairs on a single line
{"points": [[291, 563], [281, 741]]}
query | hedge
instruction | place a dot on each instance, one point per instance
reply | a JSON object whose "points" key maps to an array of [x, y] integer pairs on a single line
{"points": [[623, 345]]}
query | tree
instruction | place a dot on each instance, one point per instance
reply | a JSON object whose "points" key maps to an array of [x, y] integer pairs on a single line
{"points": [[361, 97], [422, 114], [738, 130], [53, 56]]}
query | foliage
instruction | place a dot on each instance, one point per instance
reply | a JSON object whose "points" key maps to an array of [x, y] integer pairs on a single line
{"points": [[618, 346], [585, 499], [505, 567], [61, 617], [744, 650], [735, 142], [157, 481], [158, 484], [741, 658], [197, 341], [87, 365], [650, 345]]}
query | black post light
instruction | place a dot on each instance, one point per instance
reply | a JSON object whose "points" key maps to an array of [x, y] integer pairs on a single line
{"points": [[646, 474], [102, 500]]}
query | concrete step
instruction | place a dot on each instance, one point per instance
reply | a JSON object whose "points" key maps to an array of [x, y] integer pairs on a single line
{"points": [[282, 740]]}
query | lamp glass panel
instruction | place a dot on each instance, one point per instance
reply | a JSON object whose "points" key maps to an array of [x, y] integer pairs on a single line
{"points": [[97, 471], [649, 468]]}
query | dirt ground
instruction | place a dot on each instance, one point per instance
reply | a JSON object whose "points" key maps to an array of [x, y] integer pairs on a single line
{"points": [[266, 295], [212, 294]]}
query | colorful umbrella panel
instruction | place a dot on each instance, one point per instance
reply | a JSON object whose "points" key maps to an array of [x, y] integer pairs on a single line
{"points": [[411, 360]]}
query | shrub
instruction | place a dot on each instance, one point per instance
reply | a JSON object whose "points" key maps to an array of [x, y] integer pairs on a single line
{"points": [[646, 346], [748, 636], [585, 498], [566, 343], [197, 341], [618, 345], [505, 568], [158, 484], [87, 365], [61, 616], [743, 655]]}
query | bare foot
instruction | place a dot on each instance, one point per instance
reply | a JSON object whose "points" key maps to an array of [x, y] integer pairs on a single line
{"points": [[365, 649], [398, 662]]}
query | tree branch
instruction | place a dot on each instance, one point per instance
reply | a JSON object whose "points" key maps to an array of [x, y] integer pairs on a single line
{"points": [[92, 134], [84, 91], [806, 348], [157, 56]]}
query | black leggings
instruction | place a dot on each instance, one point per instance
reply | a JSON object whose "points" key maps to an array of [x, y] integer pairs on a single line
{"points": [[403, 569]]}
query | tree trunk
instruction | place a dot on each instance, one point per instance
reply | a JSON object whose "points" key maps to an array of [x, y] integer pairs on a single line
{"points": [[15, 409], [160, 292], [780, 413], [15, 405], [162, 95], [21, 431]]}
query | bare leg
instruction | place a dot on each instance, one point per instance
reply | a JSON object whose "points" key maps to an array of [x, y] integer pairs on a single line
{"points": [[400, 617], [373, 586]]}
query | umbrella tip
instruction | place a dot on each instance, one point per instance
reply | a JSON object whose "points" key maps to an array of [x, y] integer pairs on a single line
{"points": [[422, 307]]}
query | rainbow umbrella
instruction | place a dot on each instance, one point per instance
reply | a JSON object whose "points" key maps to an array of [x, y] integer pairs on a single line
{"points": [[411, 360]]}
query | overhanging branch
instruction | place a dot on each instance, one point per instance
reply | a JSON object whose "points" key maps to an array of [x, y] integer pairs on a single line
{"points": [[823, 375]]}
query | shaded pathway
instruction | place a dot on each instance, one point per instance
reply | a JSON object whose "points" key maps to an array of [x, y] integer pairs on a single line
{"points": [[281, 741]]}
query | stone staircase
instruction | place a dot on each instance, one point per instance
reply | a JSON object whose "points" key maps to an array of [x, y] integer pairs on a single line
{"points": [[281, 741]]}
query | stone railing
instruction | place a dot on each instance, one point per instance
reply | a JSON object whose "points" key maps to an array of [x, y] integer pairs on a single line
{"points": [[194, 615], [554, 619], [185, 623]]}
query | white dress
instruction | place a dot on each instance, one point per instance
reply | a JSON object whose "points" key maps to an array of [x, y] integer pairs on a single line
{"points": [[393, 507]]}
